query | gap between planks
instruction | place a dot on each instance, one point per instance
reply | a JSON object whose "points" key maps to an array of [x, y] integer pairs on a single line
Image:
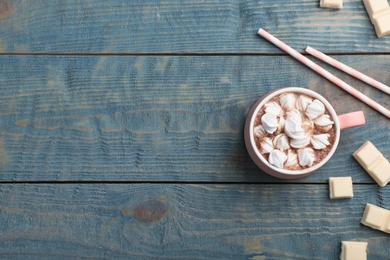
{"points": [[193, 54], [174, 183]]}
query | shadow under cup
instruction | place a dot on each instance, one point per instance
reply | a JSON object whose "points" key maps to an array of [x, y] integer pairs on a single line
{"points": [[347, 121]]}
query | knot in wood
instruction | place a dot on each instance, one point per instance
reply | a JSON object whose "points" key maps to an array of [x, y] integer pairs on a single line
{"points": [[150, 211], [4, 8]]}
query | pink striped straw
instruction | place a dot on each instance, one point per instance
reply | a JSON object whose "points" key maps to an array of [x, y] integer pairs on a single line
{"points": [[348, 69], [357, 94]]}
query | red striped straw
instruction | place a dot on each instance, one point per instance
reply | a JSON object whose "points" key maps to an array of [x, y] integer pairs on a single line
{"points": [[357, 94], [347, 69]]}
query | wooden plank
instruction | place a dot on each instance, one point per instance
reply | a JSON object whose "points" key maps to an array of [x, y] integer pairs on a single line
{"points": [[145, 118], [190, 26], [184, 221]]}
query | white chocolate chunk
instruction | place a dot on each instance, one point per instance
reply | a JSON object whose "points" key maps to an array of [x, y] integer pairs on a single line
{"points": [[382, 25], [375, 8], [336, 4], [351, 250], [379, 12], [377, 166], [340, 187], [376, 218]]}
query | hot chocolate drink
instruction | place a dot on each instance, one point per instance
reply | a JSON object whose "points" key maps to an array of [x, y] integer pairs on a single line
{"points": [[294, 131]]}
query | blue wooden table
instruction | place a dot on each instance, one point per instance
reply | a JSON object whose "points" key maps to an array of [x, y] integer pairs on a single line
{"points": [[121, 130]]}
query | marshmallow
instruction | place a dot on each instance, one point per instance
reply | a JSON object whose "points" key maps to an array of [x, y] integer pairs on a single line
{"points": [[308, 126], [315, 109], [282, 123], [259, 131], [296, 114], [320, 141], [269, 122], [303, 101], [281, 142], [277, 158], [306, 157], [266, 145], [300, 142], [288, 101], [273, 108], [324, 123], [292, 160], [293, 128]]}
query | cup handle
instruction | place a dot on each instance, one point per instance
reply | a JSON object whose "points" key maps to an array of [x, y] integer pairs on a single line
{"points": [[351, 120]]}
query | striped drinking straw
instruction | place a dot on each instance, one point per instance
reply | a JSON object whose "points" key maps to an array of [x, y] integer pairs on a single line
{"points": [[347, 69], [357, 94]]}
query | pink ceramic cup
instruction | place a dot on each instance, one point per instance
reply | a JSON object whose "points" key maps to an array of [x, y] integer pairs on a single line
{"points": [[340, 122]]}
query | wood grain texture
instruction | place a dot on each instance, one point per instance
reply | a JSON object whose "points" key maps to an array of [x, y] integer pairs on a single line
{"points": [[143, 116], [159, 118], [185, 221], [119, 26]]}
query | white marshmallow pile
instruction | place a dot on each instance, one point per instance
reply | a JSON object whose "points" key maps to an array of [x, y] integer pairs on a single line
{"points": [[292, 128]]}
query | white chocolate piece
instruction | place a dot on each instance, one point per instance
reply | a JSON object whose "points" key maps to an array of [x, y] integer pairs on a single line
{"points": [[376, 8], [379, 12], [351, 250], [376, 217], [382, 25], [340, 188], [335, 4], [374, 163]]}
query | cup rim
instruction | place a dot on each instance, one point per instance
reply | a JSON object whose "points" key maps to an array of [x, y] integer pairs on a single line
{"points": [[265, 98]]}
